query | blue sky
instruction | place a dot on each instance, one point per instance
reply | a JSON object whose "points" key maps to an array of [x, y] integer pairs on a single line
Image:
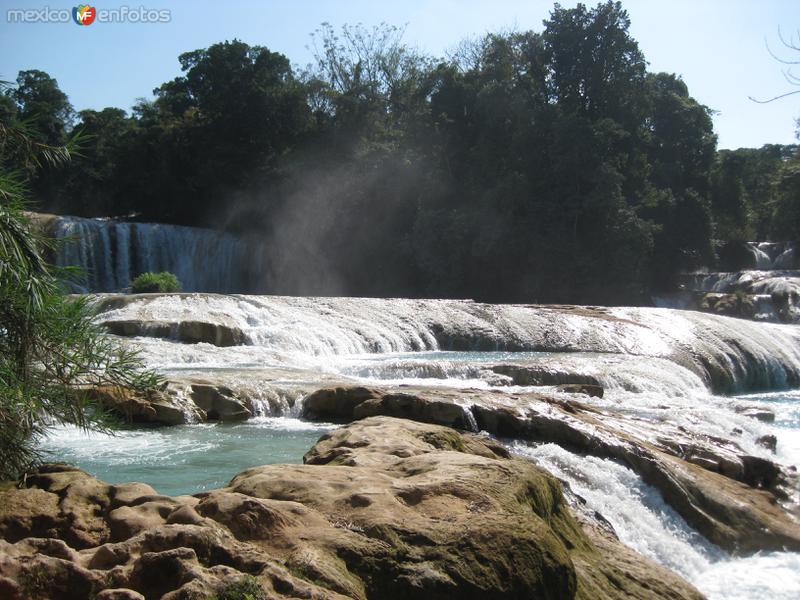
{"points": [[717, 46]]}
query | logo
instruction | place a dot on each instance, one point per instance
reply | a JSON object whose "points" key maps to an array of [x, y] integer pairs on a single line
{"points": [[83, 14]]}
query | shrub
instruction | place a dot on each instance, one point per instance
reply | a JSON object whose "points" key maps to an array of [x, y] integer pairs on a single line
{"points": [[162, 283]]}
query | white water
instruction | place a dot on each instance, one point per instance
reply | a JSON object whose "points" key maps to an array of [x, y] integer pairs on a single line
{"points": [[773, 255], [644, 522], [750, 355], [648, 361], [111, 253]]}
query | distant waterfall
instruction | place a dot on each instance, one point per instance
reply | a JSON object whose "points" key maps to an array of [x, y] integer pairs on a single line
{"points": [[772, 255], [111, 253]]}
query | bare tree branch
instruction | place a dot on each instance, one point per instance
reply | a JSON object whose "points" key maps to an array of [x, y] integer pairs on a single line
{"points": [[790, 77], [775, 98]]}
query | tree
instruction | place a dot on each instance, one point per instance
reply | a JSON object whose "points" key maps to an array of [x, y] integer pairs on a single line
{"points": [[597, 67], [221, 126], [42, 104], [50, 348], [786, 215], [372, 83]]}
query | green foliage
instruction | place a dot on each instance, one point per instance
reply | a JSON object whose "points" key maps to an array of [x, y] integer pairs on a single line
{"points": [[749, 188], [50, 347], [246, 588], [39, 100], [527, 166], [787, 199], [161, 283]]}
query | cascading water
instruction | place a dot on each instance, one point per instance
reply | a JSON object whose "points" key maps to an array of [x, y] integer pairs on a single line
{"points": [[659, 369], [768, 290], [762, 259], [643, 521], [111, 253], [731, 354]]}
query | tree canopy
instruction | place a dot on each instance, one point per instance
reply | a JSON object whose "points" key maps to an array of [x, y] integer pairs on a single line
{"points": [[527, 166]]}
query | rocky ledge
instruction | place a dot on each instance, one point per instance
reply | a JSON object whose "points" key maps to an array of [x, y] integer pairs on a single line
{"points": [[382, 508], [740, 502]]}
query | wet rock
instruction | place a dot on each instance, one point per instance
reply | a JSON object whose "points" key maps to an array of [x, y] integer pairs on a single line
{"points": [[770, 442], [738, 305], [756, 412], [189, 331], [338, 402], [581, 388], [410, 406], [219, 402], [760, 472], [152, 407], [543, 375], [729, 497], [119, 594], [726, 353]]}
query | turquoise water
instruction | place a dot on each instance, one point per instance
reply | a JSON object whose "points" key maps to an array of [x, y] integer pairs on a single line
{"points": [[185, 459]]}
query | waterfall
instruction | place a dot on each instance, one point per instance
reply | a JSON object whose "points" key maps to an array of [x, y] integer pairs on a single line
{"points": [[769, 256], [111, 253], [643, 521], [762, 259], [728, 354]]}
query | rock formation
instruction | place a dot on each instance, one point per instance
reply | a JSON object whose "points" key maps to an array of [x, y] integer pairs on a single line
{"points": [[382, 508]]}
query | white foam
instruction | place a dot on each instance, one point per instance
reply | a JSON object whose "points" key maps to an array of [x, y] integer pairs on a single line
{"points": [[643, 521]]}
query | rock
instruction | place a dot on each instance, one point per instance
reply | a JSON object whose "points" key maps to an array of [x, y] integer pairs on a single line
{"points": [[756, 412], [127, 521], [219, 402], [156, 573], [383, 508], [413, 407], [210, 333], [729, 497], [760, 472], [543, 375], [337, 402], [119, 594], [360, 402], [581, 388], [153, 406], [189, 331], [706, 349], [770, 442], [738, 305]]}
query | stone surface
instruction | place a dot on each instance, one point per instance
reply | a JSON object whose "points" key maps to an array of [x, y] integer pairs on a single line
{"points": [[191, 332], [383, 508], [732, 498], [770, 442], [153, 407], [762, 414], [581, 388]]}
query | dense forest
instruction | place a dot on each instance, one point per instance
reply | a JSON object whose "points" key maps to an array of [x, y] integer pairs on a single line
{"points": [[525, 166]]}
